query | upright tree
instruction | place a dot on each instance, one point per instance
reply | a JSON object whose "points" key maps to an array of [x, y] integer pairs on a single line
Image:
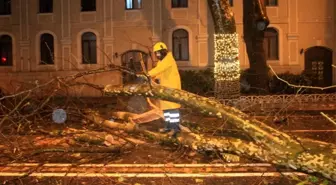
{"points": [[255, 21], [227, 67]]}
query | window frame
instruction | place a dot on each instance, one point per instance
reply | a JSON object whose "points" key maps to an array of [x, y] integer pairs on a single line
{"points": [[267, 3], [181, 48], [231, 3], [49, 48], [268, 39], [179, 4], [133, 64], [89, 10], [9, 51], [84, 61], [45, 12], [133, 5], [7, 10]]}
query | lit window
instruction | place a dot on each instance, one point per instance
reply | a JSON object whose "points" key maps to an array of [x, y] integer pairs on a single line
{"points": [[5, 7], [46, 6], [133, 4], [47, 49], [271, 44], [179, 3], [88, 5], [181, 45], [6, 54], [89, 48], [271, 2]]}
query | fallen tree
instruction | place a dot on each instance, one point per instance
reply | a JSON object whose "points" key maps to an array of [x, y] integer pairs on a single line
{"points": [[267, 144], [263, 144]]}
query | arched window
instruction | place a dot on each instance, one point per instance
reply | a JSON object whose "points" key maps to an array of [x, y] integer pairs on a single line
{"points": [[181, 45], [46, 49], [89, 48], [6, 50], [132, 60], [271, 44]]}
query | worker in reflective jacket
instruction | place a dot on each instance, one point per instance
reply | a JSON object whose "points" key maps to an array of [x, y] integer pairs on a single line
{"points": [[167, 73]]}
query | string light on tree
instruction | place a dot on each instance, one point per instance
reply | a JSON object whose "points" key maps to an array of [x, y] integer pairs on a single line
{"points": [[227, 65]]}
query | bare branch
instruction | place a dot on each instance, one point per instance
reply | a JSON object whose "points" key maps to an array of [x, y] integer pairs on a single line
{"points": [[300, 86], [328, 118]]}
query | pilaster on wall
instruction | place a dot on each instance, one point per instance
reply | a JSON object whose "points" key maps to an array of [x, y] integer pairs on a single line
{"points": [[202, 17], [108, 18], [24, 63], [202, 50], [108, 43], [108, 38], [154, 40], [293, 36], [65, 19], [202, 37], [24, 20], [293, 49], [66, 62], [157, 19]]}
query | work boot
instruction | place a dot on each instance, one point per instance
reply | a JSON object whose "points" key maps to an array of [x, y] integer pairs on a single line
{"points": [[166, 128], [176, 128], [175, 134]]}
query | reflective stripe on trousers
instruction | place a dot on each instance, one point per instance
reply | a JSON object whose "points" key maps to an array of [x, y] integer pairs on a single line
{"points": [[172, 119]]}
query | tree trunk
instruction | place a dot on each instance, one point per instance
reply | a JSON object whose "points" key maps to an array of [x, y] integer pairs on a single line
{"points": [[276, 147], [257, 75], [227, 67]]}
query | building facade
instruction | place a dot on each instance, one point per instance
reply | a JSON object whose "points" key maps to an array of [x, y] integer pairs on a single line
{"points": [[40, 39]]}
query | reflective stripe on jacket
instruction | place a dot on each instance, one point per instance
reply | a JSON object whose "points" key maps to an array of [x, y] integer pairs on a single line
{"points": [[167, 72]]}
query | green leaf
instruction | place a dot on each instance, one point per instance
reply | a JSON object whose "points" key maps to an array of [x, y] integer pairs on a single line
{"points": [[313, 179], [325, 182]]}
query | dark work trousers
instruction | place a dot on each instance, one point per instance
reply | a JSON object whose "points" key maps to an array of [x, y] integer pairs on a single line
{"points": [[172, 119]]}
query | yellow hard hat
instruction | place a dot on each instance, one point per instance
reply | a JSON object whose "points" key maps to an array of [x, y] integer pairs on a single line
{"points": [[158, 46]]}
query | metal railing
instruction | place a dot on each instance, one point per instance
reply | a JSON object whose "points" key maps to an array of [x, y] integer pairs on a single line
{"points": [[299, 101]]}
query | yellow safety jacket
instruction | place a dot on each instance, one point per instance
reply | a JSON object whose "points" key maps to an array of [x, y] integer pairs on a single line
{"points": [[166, 71]]}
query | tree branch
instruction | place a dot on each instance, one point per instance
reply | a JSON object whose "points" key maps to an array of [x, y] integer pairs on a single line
{"points": [[300, 86]]}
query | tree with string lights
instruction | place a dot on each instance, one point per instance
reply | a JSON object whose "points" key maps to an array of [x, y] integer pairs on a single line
{"points": [[227, 65]]}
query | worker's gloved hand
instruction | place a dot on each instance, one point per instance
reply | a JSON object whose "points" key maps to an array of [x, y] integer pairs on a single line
{"points": [[143, 76]]}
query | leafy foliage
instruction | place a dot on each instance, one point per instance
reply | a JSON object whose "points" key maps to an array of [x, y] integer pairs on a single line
{"points": [[199, 82]]}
